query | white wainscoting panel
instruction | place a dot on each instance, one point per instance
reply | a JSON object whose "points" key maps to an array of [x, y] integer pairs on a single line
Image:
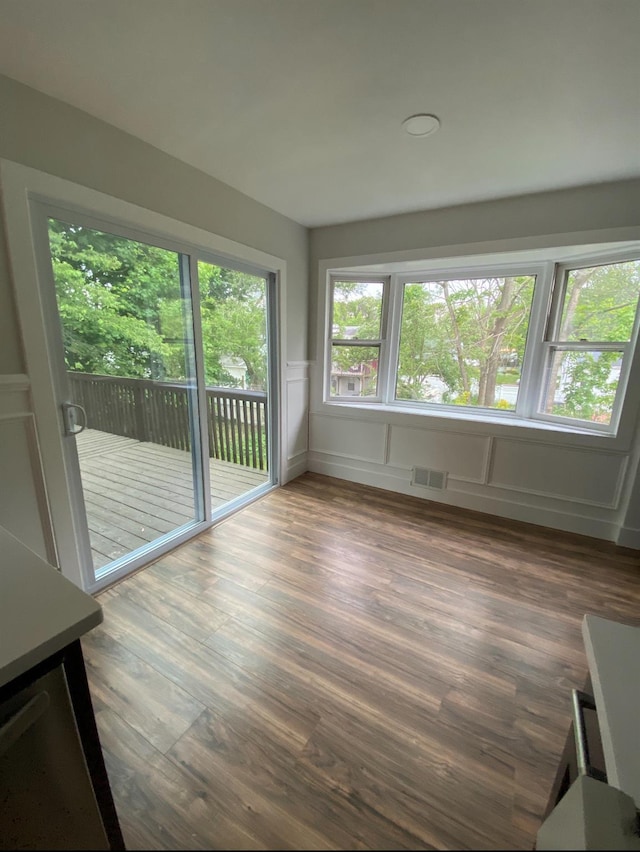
{"points": [[23, 503], [296, 420], [296, 412], [464, 457], [567, 473], [346, 437], [24, 508]]}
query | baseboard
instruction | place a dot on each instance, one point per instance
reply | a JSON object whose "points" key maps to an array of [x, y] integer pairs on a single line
{"points": [[501, 506], [296, 466], [628, 537]]}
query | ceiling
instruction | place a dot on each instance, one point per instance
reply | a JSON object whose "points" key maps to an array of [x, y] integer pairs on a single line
{"points": [[299, 103]]}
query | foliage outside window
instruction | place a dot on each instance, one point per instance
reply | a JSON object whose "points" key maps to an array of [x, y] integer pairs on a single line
{"points": [[588, 340], [356, 335], [122, 313], [462, 341], [482, 341]]}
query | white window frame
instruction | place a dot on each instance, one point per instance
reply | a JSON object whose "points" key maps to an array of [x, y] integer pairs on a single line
{"points": [[381, 342], [546, 308], [541, 272], [552, 342]]}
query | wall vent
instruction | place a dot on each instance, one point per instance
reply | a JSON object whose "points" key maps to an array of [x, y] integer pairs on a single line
{"points": [[429, 478]]}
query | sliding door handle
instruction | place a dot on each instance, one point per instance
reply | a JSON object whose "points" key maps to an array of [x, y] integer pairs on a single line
{"points": [[74, 417]]}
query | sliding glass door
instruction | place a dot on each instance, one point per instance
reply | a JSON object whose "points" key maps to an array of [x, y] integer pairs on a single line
{"points": [[163, 383], [234, 318]]}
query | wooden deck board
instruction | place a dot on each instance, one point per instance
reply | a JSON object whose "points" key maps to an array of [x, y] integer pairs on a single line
{"points": [[95, 443], [105, 509], [136, 492]]}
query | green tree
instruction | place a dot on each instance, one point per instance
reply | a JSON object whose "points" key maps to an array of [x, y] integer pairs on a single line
{"points": [[123, 312], [600, 305], [357, 313], [589, 392], [425, 350], [462, 332], [234, 310], [109, 291]]}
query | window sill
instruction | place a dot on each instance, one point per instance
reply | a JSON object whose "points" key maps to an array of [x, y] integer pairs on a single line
{"points": [[506, 422]]}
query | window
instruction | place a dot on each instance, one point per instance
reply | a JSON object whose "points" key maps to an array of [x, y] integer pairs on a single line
{"points": [[356, 331], [462, 341], [588, 340], [540, 341]]}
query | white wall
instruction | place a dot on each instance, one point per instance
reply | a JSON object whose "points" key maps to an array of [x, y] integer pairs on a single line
{"points": [[48, 135], [629, 534], [11, 360], [586, 484]]}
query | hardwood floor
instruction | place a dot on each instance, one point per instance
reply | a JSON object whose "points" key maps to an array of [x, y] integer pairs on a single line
{"points": [[338, 667]]}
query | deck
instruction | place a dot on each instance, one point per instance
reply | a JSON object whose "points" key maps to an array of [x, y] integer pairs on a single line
{"points": [[137, 491]]}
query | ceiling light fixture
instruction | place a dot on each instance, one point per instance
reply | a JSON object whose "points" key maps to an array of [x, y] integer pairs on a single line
{"points": [[421, 124]]}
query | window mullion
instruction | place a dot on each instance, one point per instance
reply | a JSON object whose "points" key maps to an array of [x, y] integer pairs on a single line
{"points": [[556, 302], [390, 341], [535, 356]]}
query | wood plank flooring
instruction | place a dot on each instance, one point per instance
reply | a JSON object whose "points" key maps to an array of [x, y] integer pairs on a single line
{"points": [[339, 667], [136, 492]]}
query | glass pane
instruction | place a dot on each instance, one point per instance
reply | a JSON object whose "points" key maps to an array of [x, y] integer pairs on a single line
{"points": [[582, 384], [128, 347], [462, 342], [357, 310], [233, 308], [234, 327], [600, 303], [354, 370]]}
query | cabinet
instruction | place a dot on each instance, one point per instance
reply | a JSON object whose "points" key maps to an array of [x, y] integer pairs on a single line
{"points": [[54, 789]]}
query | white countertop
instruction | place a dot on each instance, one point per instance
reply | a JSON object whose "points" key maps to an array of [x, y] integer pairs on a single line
{"points": [[40, 610], [613, 654]]}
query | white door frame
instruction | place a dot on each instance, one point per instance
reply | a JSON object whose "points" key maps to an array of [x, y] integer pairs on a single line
{"points": [[21, 186]]}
